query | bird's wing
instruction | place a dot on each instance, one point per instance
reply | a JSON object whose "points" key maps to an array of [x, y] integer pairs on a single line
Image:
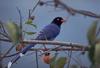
{"points": [[49, 32]]}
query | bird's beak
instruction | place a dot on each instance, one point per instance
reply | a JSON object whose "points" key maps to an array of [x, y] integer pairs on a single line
{"points": [[63, 21]]}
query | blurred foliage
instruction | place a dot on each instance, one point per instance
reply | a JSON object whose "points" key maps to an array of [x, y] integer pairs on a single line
{"points": [[91, 34], [94, 42], [0, 26], [97, 53], [30, 22], [58, 62], [13, 31], [53, 61], [30, 33], [61, 61], [74, 66]]}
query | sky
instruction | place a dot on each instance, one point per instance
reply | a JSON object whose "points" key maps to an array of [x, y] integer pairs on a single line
{"points": [[74, 30]]}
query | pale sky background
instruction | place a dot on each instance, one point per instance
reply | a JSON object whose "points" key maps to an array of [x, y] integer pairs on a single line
{"points": [[73, 31]]}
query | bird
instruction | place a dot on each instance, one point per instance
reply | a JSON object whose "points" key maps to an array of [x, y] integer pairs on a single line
{"points": [[49, 32]]}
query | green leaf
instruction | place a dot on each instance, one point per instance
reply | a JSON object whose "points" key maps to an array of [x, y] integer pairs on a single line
{"points": [[34, 25], [30, 33], [97, 53], [13, 31], [91, 54], [91, 34], [0, 26], [74, 66], [53, 61], [29, 22], [61, 61]]}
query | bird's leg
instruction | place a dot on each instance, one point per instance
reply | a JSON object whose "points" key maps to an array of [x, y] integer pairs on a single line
{"points": [[44, 45]]}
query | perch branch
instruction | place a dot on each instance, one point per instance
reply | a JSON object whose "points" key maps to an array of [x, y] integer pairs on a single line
{"points": [[54, 43], [67, 44]]}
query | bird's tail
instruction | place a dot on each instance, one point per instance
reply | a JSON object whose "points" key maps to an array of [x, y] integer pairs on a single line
{"points": [[22, 52]]}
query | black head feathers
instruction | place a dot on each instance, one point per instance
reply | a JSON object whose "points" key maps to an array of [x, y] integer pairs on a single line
{"points": [[58, 21]]}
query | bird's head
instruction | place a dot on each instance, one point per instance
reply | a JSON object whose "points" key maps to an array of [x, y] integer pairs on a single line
{"points": [[58, 21]]}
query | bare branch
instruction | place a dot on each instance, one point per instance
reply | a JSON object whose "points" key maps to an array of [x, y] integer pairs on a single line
{"points": [[52, 49], [2, 26], [3, 32], [98, 32], [37, 62], [73, 11], [7, 52], [21, 25], [67, 44], [11, 55], [5, 40], [54, 43], [70, 56], [34, 7], [58, 49], [4, 35]]}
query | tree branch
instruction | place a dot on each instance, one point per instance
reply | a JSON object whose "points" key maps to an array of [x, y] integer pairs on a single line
{"points": [[73, 11], [34, 7], [21, 25], [2, 26], [52, 49], [5, 40], [67, 44], [4, 33]]}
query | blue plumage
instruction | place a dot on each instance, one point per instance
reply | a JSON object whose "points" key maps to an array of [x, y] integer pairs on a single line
{"points": [[49, 32]]}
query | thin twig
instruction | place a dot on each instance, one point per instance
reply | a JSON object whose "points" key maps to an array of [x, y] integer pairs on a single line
{"points": [[58, 49], [21, 25], [37, 59], [70, 56], [4, 35], [12, 55], [73, 58], [8, 51], [2, 26], [5, 40], [98, 32], [34, 7], [52, 49]]}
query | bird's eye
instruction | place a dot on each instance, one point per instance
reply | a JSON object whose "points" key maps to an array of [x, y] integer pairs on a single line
{"points": [[57, 19]]}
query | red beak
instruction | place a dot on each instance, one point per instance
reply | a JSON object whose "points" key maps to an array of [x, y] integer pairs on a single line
{"points": [[63, 21]]}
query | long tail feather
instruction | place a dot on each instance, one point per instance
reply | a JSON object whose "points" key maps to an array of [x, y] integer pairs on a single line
{"points": [[20, 55]]}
